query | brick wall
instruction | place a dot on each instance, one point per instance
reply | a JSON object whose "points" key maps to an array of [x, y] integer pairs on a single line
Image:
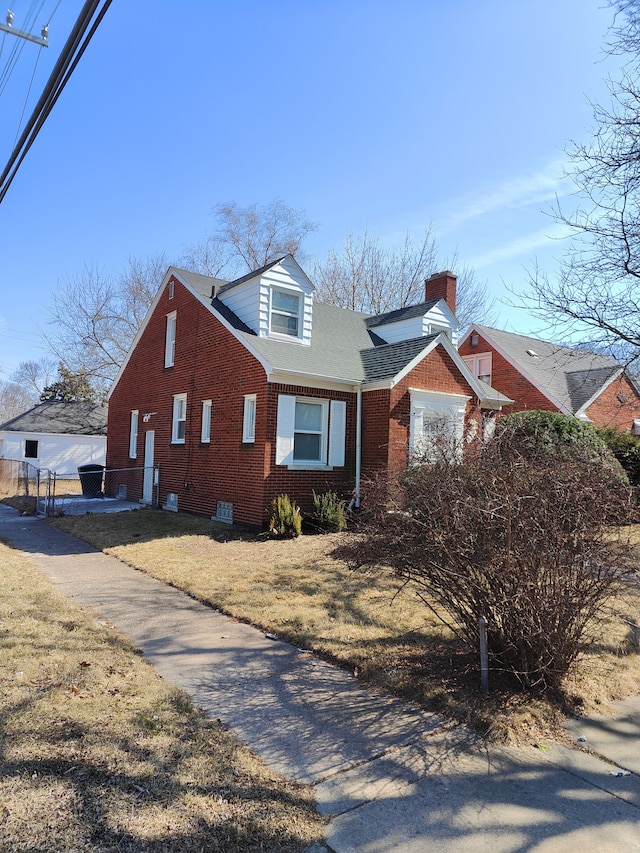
{"points": [[387, 413], [211, 364], [617, 406], [506, 379]]}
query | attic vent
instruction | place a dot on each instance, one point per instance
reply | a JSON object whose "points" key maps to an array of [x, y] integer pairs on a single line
{"points": [[474, 340], [532, 353], [171, 502]]}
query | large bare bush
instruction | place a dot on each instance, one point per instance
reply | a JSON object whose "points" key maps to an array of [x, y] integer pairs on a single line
{"points": [[529, 542]]}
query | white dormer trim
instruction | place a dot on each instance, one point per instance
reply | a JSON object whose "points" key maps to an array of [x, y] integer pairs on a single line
{"points": [[439, 318], [252, 300]]}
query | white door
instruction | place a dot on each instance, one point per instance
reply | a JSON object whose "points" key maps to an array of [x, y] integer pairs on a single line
{"points": [[147, 486]]}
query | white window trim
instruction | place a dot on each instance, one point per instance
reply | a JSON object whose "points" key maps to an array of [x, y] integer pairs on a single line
{"points": [[429, 405], [133, 435], [332, 440], [473, 363], [249, 419], [178, 400], [205, 434], [170, 340], [300, 297]]}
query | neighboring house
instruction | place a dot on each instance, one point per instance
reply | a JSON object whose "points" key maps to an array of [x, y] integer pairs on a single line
{"points": [[56, 435], [541, 375], [244, 390]]}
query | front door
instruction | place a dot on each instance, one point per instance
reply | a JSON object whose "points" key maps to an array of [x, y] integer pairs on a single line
{"points": [[147, 485]]}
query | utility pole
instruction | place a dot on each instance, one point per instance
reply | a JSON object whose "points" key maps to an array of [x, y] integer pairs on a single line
{"points": [[9, 28]]}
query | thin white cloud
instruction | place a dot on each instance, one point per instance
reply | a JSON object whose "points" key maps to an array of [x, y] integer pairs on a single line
{"points": [[539, 188], [521, 246]]}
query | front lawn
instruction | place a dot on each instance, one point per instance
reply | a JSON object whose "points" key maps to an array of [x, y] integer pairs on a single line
{"points": [[298, 590], [99, 754]]}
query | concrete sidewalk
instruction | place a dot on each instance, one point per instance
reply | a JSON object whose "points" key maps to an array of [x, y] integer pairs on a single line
{"points": [[390, 777]]}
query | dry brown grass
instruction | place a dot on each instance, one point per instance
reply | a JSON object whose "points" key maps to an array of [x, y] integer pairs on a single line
{"points": [[98, 754], [298, 590]]}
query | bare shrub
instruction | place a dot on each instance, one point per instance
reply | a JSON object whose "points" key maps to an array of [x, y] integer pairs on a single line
{"points": [[526, 541]]}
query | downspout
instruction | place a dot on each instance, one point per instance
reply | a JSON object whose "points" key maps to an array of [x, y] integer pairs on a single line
{"points": [[358, 444]]}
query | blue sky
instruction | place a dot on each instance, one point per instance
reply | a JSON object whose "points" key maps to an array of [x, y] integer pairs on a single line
{"points": [[367, 115]]}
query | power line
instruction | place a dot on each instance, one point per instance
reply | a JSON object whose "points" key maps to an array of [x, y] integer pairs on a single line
{"points": [[82, 33]]}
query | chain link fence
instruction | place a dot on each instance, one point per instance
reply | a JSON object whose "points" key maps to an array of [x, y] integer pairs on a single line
{"points": [[51, 493]]}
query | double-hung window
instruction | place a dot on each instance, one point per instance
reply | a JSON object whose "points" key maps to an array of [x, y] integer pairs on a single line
{"points": [[170, 340], [310, 432], [480, 366], [179, 423], [205, 435], [285, 313]]}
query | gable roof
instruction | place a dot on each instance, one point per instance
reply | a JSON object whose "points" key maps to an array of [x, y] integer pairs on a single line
{"points": [[342, 348], [407, 313], [55, 417], [205, 285], [569, 378]]}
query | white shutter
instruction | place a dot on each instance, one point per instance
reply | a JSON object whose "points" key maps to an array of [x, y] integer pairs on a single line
{"points": [[285, 428], [337, 432]]}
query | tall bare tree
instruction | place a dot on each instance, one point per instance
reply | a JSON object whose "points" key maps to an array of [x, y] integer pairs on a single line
{"points": [[247, 238], [596, 292], [94, 317], [367, 275], [34, 376], [14, 400]]}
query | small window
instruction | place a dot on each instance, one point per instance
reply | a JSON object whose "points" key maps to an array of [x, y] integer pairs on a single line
{"points": [[30, 449], [133, 435], [249, 419], [285, 313], [206, 421], [480, 366], [172, 285], [170, 341], [179, 425]]}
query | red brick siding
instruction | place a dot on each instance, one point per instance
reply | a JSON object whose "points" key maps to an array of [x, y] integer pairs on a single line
{"points": [[299, 485], [387, 413], [375, 431], [509, 381], [211, 364], [617, 406]]}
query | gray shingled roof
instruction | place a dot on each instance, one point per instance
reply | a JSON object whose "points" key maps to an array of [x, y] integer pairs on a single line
{"points": [[58, 418], [343, 345], [399, 314], [337, 338], [384, 362], [202, 284], [569, 376], [254, 274]]}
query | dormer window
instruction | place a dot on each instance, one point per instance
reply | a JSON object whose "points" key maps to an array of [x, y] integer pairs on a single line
{"points": [[285, 313]]}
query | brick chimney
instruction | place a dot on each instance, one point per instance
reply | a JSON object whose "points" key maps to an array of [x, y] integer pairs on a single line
{"points": [[442, 285]]}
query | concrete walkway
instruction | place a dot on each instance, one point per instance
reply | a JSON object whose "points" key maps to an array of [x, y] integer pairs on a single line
{"points": [[389, 776]]}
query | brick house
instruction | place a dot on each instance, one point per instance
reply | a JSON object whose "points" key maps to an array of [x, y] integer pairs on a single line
{"points": [[540, 375], [248, 389]]}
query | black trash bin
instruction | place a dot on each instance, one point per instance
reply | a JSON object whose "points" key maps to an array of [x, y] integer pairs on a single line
{"points": [[91, 480]]}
